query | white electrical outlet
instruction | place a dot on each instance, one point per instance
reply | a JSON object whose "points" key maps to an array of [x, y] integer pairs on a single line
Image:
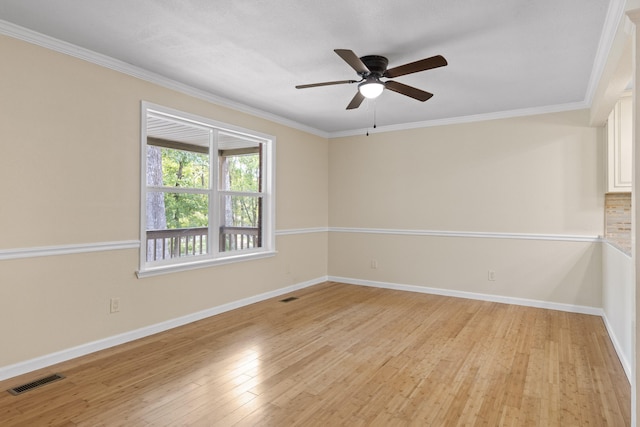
{"points": [[491, 276], [114, 306], [374, 264]]}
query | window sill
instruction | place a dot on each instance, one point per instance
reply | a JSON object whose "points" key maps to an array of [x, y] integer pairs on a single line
{"points": [[174, 268]]}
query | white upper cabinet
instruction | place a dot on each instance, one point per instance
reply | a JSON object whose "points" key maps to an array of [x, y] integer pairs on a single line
{"points": [[619, 145]]}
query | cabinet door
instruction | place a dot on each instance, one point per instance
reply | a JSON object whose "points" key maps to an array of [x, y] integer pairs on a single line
{"points": [[619, 143]]}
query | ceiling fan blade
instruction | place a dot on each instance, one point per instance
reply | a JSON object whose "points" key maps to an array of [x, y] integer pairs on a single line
{"points": [[352, 59], [337, 82], [356, 101], [414, 67], [410, 91]]}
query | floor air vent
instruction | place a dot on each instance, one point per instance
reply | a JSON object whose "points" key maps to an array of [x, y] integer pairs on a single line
{"points": [[289, 299], [35, 384]]}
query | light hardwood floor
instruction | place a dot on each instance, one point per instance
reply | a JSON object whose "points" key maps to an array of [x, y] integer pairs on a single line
{"points": [[345, 355]]}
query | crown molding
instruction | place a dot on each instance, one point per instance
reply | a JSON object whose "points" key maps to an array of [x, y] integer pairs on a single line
{"points": [[33, 37], [465, 119], [615, 13]]}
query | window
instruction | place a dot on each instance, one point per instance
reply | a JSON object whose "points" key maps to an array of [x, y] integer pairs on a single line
{"points": [[207, 192]]}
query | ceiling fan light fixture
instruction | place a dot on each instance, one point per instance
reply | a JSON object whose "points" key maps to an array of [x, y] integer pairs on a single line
{"points": [[371, 88]]}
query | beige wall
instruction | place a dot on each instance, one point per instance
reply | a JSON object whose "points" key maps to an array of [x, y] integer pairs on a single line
{"points": [[537, 174], [69, 138], [567, 273], [540, 175], [70, 172]]}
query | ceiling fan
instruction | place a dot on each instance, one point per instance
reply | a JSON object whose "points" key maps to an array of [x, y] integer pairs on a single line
{"points": [[372, 68]]}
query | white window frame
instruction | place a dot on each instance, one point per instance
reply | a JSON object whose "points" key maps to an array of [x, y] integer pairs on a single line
{"points": [[214, 257]]}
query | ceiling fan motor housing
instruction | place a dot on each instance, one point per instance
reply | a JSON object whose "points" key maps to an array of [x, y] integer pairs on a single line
{"points": [[376, 64]]}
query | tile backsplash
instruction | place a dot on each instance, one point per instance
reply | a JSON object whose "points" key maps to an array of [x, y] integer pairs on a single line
{"points": [[617, 214]]}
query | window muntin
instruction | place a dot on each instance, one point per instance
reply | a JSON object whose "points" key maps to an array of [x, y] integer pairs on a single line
{"points": [[240, 199], [203, 182]]}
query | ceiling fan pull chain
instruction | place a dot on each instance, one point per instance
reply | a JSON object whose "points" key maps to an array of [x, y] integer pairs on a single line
{"points": [[375, 110]]}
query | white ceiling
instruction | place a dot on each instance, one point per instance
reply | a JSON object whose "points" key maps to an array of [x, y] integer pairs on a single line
{"points": [[504, 55]]}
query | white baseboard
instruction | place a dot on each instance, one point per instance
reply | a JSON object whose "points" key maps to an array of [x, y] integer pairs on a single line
{"points": [[616, 344], [596, 311], [20, 368]]}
